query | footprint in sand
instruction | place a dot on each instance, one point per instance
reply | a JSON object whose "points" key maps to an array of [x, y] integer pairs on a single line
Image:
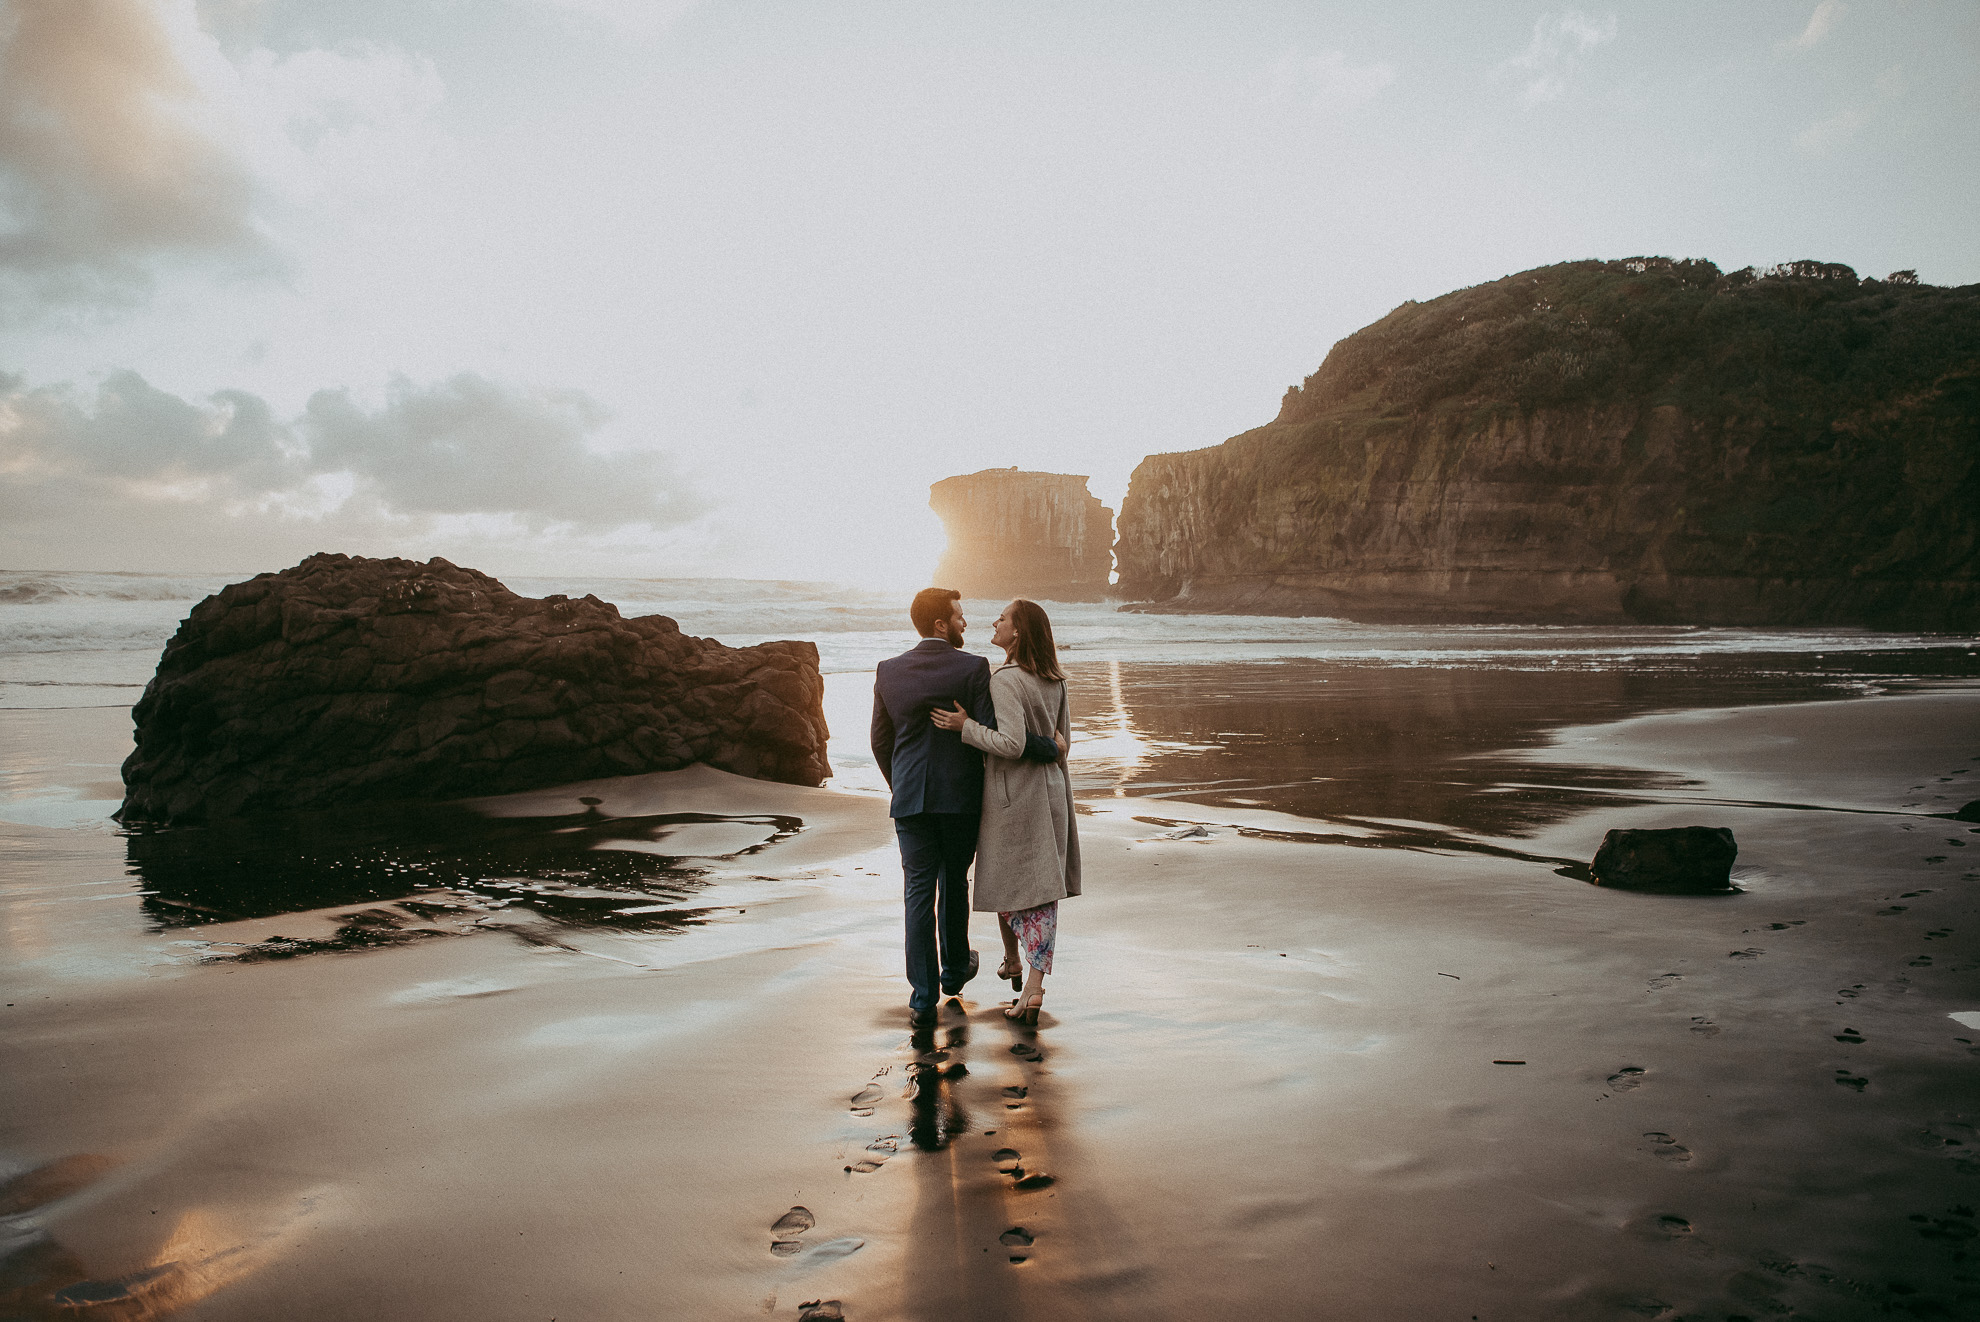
{"points": [[867, 1096], [1017, 1237], [1664, 980], [114, 1290], [1922, 962], [1626, 1078], [822, 1310], [1893, 911], [1850, 993], [1939, 935], [1008, 1163], [1749, 953], [1782, 927], [880, 1149], [1853, 1081], [787, 1227], [1665, 1148], [1665, 1226], [1849, 1035], [1016, 1091], [1703, 1026], [1957, 1228], [1964, 1153], [1026, 1052]]}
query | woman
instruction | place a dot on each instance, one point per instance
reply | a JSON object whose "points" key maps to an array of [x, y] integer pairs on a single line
{"points": [[1027, 852]]}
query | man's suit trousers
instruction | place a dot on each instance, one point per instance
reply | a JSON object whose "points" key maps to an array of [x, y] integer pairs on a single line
{"points": [[936, 849]]}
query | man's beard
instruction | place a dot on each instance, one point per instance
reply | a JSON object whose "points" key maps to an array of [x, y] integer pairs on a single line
{"points": [[953, 634]]}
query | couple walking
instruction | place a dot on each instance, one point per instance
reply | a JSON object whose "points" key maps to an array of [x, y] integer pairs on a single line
{"points": [[976, 762]]}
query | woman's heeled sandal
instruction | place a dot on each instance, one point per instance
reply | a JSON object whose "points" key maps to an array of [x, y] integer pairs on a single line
{"points": [[1013, 973], [1024, 1010]]}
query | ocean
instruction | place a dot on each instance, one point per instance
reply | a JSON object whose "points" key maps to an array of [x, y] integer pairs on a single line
{"points": [[1269, 708], [72, 639]]}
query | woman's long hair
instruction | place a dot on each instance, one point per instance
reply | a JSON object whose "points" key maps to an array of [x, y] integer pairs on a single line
{"points": [[1034, 649]]}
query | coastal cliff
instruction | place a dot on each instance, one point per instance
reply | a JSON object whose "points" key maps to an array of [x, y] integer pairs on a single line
{"points": [[1023, 534], [1641, 440]]}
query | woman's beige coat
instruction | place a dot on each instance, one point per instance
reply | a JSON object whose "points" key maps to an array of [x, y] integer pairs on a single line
{"points": [[1027, 852]]}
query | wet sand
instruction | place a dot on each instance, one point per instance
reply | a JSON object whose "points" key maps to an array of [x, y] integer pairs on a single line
{"points": [[1265, 1085]]}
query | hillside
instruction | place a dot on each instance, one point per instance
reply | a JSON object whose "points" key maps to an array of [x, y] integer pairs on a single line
{"points": [[1631, 440]]}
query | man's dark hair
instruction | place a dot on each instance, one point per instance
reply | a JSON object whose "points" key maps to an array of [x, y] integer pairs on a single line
{"points": [[932, 606]]}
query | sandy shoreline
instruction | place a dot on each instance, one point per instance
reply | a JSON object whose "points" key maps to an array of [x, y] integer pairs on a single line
{"points": [[1266, 1086]]}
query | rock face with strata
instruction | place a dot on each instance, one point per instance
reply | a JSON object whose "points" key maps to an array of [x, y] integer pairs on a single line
{"points": [[1015, 534], [349, 680], [1642, 440]]}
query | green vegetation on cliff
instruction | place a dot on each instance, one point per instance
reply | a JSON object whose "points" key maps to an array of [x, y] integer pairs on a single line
{"points": [[1652, 438], [1807, 342]]}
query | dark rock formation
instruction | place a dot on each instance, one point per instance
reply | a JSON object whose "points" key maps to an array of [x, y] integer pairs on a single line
{"points": [[346, 680], [1015, 534], [1601, 441], [1684, 858]]}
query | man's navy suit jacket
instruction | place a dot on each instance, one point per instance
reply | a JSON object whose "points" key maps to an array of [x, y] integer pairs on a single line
{"points": [[929, 768]]}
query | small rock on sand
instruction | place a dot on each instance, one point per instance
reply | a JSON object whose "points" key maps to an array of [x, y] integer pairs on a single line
{"points": [[1692, 859]]}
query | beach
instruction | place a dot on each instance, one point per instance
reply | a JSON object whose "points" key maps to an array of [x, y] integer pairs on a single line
{"points": [[1332, 1034]]}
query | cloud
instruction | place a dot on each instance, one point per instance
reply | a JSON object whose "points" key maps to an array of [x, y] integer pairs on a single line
{"points": [[1327, 80], [642, 17], [467, 446], [1821, 137], [1555, 51], [79, 470], [105, 155], [1826, 16], [1825, 135], [129, 138]]}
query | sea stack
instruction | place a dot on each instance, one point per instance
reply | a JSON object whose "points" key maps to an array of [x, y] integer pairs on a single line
{"points": [[346, 680], [1016, 534], [1642, 440]]}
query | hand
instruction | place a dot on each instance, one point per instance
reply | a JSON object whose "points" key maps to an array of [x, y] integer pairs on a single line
{"points": [[949, 720], [1060, 740]]}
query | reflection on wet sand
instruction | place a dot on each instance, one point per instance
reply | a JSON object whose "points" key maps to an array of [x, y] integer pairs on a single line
{"points": [[200, 1254], [1341, 742], [994, 1231], [958, 1265], [435, 871], [1383, 835]]}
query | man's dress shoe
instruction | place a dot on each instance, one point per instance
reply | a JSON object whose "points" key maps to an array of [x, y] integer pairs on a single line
{"points": [[974, 963]]}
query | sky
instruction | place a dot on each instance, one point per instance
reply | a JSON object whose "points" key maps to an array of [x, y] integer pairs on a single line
{"points": [[667, 288]]}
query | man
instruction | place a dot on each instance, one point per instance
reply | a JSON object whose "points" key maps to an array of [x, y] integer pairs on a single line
{"points": [[937, 782]]}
